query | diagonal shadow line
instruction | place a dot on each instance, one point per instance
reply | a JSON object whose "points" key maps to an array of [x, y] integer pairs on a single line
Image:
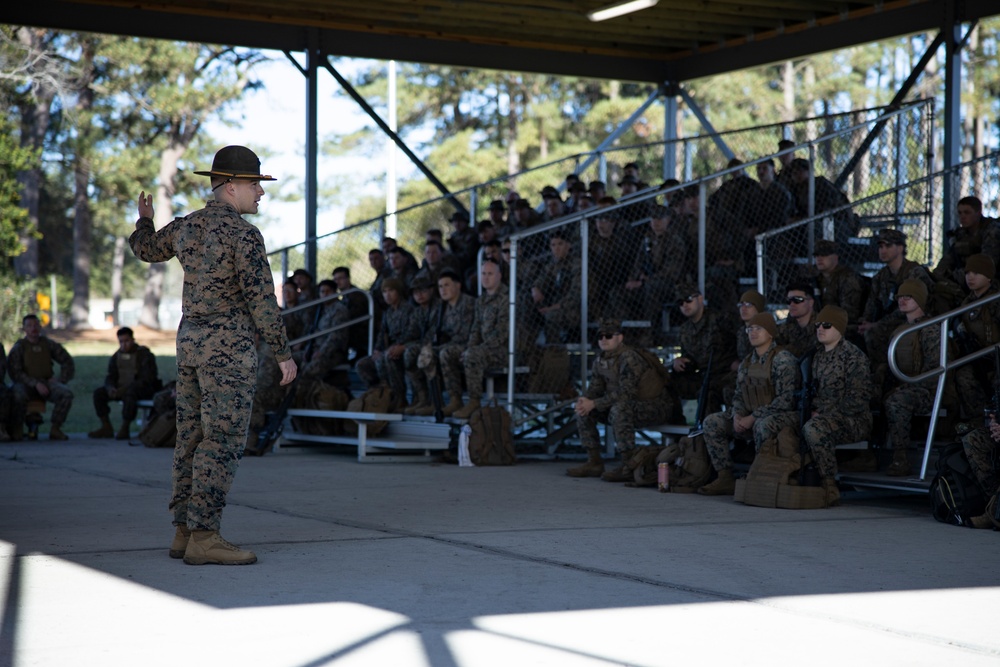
{"points": [[7, 629], [436, 638]]}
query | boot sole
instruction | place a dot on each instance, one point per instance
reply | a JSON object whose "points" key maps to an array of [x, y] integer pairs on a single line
{"points": [[177, 553], [210, 561]]}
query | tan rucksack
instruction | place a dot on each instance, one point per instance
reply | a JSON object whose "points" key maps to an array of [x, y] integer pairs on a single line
{"points": [[491, 442], [160, 430], [773, 477], [320, 396], [377, 399]]}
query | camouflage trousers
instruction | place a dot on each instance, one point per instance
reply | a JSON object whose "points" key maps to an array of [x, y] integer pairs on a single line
{"points": [[623, 417], [379, 369], [130, 400], [719, 431], [982, 452], [900, 405], [416, 376], [474, 362], [60, 396], [823, 433], [450, 357], [971, 392], [213, 416]]}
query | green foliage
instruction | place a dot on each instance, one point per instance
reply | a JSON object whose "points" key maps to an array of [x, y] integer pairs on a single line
{"points": [[17, 299], [14, 221]]}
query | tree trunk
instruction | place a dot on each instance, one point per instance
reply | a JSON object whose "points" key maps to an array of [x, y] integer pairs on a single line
{"points": [[117, 267], [82, 233], [35, 119], [788, 92]]}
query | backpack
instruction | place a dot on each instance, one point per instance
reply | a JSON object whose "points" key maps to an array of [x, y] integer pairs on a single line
{"points": [[377, 399], [773, 479], [491, 442], [160, 431], [319, 396], [955, 495]]}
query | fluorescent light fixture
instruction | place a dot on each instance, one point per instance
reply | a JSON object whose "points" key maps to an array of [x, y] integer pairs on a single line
{"points": [[620, 9]]}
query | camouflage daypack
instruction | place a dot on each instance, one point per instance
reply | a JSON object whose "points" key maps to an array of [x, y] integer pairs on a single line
{"points": [[379, 399]]}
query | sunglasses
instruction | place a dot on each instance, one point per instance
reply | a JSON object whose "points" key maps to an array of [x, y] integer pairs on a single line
{"points": [[796, 299], [687, 299], [824, 325], [506, 251], [607, 336], [745, 304]]}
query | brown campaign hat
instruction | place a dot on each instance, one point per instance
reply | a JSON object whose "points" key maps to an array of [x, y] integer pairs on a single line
{"points": [[236, 162]]}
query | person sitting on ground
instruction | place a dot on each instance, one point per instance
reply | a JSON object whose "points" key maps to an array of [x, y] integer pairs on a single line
{"points": [[625, 392], [487, 347], [451, 327], [704, 336], [797, 332], [132, 377], [764, 402], [418, 331], [916, 353], [30, 366], [840, 410], [385, 366]]}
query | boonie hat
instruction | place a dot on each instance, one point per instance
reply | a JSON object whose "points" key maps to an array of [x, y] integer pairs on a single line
{"points": [[609, 325], [236, 162]]}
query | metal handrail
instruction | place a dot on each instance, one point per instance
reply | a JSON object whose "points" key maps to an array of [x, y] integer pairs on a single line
{"points": [[315, 303], [944, 364]]}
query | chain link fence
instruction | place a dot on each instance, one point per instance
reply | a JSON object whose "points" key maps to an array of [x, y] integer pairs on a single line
{"points": [[916, 208]]}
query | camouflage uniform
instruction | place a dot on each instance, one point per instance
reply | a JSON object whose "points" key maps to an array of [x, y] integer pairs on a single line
{"points": [[765, 387], [845, 288], [967, 241], [320, 359], [881, 307], [393, 331], [975, 330], [228, 296], [451, 328], [660, 266], [798, 339], [45, 351], [560, 282], [464, 246], [419, 330], [841, 403], [269, 393], [915, 354], [487, 346], [627, 392], [608, 265], [144, 383], [710, 336], [982, 453]]}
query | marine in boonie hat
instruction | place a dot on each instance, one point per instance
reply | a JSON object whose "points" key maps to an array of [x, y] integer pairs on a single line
{"points": [[236, 162]]}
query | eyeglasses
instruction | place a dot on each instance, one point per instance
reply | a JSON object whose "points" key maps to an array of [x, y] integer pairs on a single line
{"points": [[753, 329], [824, 325], [607, 336], [745, 304], [506, 251], [687, 299], [797, 299]]}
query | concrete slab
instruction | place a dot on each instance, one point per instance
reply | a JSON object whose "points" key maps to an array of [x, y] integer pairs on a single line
{"points": [[431, 564]]}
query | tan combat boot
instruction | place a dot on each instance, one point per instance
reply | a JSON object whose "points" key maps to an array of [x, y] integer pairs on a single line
{"points": [[206, 547], [454, 405], [124, 432], [467, 411], [900, 466], [104, 431], [622, 473], [724, 484], [419, 403], [55, 433], [593, 467], [832, 492], [180, 543]]}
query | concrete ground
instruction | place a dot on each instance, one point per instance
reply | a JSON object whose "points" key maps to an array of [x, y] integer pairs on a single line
{"points": [[431, 564]]}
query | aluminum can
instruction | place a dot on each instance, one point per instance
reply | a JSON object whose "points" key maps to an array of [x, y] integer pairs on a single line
{"points": [[663, 477]]}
